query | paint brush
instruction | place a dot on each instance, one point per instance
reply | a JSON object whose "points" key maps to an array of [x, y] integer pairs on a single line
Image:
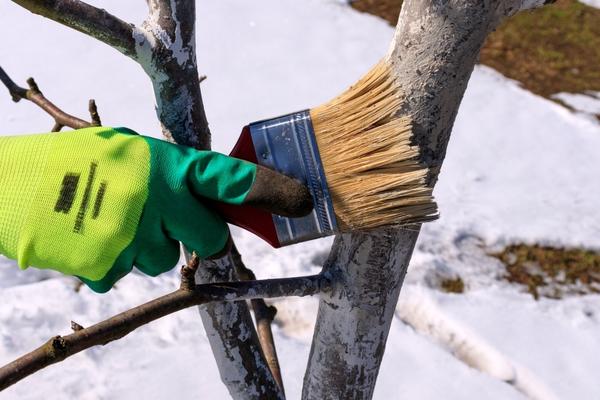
{"points": [[354, 154]]}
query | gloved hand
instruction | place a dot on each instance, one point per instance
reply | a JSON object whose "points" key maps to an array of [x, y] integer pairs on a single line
{"points": [[96, 201]]}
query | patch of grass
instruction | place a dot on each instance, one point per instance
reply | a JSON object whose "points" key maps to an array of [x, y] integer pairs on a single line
{"points": [[549, 50], [552, 272], [452, 285]]}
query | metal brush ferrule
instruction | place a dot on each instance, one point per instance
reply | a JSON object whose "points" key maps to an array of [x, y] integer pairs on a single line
{"points": [[287, 144]]}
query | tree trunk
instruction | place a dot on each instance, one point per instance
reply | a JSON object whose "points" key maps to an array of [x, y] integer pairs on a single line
{"points": [[166, 50], [433, 53], [234, 341], [367, 271]]}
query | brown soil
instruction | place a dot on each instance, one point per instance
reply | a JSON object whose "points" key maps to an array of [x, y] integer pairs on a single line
{"points": [[453, 285], [549, 50], [552, 272]]}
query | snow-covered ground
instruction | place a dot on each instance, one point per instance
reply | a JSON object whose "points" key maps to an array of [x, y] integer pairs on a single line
{"points": [[592, 3], [585, 103], [518, 168]]}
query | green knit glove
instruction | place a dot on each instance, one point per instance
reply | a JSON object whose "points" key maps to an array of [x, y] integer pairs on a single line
{"points": [[96, 201]]}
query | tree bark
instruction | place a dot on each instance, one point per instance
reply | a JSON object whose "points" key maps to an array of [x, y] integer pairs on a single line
{"points": [[164, 46], [367, 271], [233, 339], [432, 54], [166, 50]]}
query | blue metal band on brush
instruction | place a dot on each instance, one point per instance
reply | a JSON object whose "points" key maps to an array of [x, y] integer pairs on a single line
{"points": [[287, 144]]}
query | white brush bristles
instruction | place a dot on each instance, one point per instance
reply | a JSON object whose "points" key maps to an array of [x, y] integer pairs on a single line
{"points": [[371, 168]]}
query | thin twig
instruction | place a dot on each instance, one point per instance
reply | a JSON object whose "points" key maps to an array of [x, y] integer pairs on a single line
{"points": [[188, 273], [75, 326], [95, 117], [59, 348], [33, 94], [17, 93], [264, 315]]}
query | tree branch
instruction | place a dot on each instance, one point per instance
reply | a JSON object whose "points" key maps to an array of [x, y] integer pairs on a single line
{"points": [[507, 8], [233, 339], [521, 5], [167, 53], [34, 95], [169, 31], [189, 294], [264, 316], [92, 21], [173, 21]]}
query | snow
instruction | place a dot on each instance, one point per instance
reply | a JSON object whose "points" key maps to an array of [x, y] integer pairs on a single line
{"points": [[518, 168], [527, 159], [420, 311], [591, 3], [588, 102], [562, 328]]}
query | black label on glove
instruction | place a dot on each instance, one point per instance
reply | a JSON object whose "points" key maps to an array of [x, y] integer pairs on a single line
{"points": [[67, 193]]}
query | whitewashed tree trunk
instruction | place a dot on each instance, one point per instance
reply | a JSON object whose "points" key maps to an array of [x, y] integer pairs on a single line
{"points": [[165, 46], [433, 53], [234, 341]]}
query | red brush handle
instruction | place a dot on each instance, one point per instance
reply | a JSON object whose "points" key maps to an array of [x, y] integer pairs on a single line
{"points": [[251, 219]]}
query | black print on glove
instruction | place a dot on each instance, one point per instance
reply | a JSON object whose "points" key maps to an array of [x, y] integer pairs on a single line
{"points": [[99, 198], [68, 191], [86, 198]]}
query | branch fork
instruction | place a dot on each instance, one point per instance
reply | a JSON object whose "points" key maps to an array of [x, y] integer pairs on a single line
{"points": [[35, 95]]}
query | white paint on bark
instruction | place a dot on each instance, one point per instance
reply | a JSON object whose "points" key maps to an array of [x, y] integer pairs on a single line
{"points": [[175, 104], [166, 48], [432, 55], [181, 51], [230, 365], [144, 44], [354, 318], [234, 341]]}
